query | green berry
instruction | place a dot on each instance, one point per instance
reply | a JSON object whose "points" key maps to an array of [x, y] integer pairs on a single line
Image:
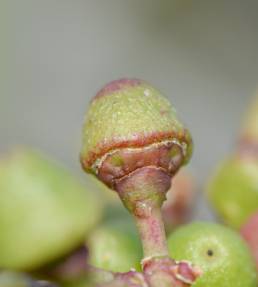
{"points": [[219, 251], [44, 211], [233, 190], [115, 246]]}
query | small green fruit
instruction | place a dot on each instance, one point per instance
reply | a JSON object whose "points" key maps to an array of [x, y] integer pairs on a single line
{"points": [[233, 190], [44, 211], [115, 246], [220, 252]]}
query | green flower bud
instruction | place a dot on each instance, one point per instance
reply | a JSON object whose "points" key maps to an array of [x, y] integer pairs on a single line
{"points": [[130, 125]]}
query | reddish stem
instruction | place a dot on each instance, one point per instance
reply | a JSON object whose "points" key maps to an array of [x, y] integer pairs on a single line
{"points": [[152, 232]]}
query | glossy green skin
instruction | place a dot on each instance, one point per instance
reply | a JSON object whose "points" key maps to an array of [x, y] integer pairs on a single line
{"points": [[44, 211], [130, 115], [233, 190], [230, 265], [115, 246]]}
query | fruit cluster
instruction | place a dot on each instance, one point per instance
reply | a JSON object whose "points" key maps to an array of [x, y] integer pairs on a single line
{"points": [[54, 227]]}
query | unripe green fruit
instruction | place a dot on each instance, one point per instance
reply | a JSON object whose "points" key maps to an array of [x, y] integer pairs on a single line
{"points": [[220, 252], [44, 211], [115, 246], [130, 115], [233, 190]]}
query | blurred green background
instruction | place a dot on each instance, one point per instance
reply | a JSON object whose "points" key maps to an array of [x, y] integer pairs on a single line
{"points": [[56, 54]]}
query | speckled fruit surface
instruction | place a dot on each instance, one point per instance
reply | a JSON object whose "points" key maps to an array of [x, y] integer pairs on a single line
{"points": [[220, 252], [129, 113]]}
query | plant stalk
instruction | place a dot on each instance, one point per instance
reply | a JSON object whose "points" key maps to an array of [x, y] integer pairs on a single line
{"points": [[152, 233]]}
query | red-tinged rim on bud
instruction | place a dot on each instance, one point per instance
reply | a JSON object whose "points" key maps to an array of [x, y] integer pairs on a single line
{"points": [[122, 158], [166, 155], [130, 125], [91, 162]]}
